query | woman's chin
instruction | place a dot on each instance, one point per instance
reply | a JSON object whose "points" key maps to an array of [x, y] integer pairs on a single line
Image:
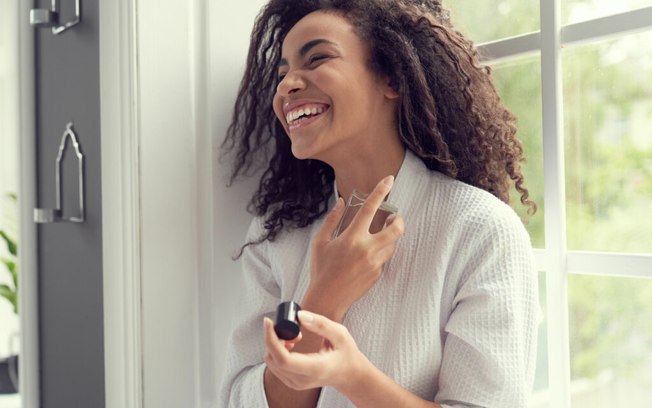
{"points": [[301, 153]]}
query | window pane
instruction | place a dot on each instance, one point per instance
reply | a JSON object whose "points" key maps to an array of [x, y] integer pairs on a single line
{"points": [[540, 395], [484, 21], [608, 117], [610, 341], [519, 84], [575, 11]]}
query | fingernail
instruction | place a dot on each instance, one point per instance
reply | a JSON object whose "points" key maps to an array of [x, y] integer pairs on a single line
{"points": [[339, 203], [389, 181], [305, 317]]}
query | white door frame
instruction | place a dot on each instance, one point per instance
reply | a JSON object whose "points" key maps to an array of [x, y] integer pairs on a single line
{"points": [[28, 277], [120, 205], [169, 75], [157, 201]]}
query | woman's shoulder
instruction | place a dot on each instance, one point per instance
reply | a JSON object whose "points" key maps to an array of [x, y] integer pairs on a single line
{"points": [[286, 241], [466, 205]]}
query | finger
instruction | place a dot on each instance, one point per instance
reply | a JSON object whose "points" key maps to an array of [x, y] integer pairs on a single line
{"points": [[289, 344], [295, 370], [274, 345], [385, 254], [392, 232], [297, 367], [335, 333], [389, 220], [365, 215], [293, 380], [327, 230]]}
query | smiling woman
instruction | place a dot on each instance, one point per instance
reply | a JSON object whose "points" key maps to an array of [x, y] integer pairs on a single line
{"points": [[438, 308], [324, 66]]}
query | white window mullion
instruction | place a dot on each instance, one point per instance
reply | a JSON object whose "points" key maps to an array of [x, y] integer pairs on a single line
{"points": [[505, 48], [606, 27], [610, 264], [554, 200], [577, 33]]}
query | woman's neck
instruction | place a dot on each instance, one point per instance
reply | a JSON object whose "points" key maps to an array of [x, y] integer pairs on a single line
{"points": [[365, 171]]}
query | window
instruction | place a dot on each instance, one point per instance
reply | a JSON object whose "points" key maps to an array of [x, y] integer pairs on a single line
{"points": [[508, 18], [578, 74]]}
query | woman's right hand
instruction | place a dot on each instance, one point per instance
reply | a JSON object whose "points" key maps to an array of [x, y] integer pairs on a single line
{"points": [[344, 268]]}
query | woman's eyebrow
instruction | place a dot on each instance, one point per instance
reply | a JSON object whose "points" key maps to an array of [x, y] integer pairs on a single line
{"points": [[307, 47]]}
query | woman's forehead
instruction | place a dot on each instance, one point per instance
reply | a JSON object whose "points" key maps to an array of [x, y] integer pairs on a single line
{"points": [[318, 25]]}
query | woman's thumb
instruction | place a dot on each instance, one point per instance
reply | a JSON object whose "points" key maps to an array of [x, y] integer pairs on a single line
{"points": [[333, 332]]}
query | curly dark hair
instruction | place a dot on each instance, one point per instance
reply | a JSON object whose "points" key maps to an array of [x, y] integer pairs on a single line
{"points": [[449, 113]]}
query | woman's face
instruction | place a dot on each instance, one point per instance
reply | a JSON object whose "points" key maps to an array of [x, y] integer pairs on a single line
{"points": [[328, 99]]}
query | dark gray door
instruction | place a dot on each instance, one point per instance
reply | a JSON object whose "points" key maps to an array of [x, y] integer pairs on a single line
{"points": [[70, 255]]}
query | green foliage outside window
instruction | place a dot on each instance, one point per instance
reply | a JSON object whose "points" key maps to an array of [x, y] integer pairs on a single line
{"points": [[608, 164], [608, 117], [608, 149]]}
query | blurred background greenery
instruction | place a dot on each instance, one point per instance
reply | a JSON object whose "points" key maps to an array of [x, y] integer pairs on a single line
{"points": [[607, 108]]}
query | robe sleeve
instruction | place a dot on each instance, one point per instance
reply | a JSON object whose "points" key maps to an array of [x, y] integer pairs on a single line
{"points": [[489, 352], [242, 384]]}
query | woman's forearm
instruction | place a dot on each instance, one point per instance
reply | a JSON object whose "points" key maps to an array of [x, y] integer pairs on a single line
{"points": [[371, 388], [280, 395]]}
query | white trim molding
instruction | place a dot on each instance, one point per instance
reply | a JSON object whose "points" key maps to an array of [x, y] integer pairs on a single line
{"points": [[175, 195], [157, 197], [28, 286], [121, 205], [207, 309]]}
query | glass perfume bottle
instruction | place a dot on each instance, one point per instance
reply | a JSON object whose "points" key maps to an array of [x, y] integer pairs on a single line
{"points": [[353, 205]]}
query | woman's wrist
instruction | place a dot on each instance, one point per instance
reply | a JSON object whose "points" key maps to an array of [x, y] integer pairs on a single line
{"points": [[316, 302], [360, 371]]}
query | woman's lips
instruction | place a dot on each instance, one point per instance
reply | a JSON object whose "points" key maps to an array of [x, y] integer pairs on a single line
{"points": [[304, 121], [310, 114]]}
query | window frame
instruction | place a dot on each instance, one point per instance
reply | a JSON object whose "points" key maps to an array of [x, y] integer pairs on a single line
{"points": [[555, 259]]}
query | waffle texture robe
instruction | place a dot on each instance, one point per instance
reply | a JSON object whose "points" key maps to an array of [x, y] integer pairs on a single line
{"points": [[453, 317]]}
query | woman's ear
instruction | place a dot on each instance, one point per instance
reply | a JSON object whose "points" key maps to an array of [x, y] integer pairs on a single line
{"points": [[389, 91]]}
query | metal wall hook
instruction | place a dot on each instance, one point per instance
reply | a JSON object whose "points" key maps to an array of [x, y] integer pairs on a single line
{"points": [[47, 215], [44, 18]]}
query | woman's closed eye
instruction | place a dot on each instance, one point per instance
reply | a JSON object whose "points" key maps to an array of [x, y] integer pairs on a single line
{"points": [[312, 62], [316, 59]]}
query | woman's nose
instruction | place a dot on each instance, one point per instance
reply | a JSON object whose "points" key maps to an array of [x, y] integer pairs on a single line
{"points": [[292, 82]]}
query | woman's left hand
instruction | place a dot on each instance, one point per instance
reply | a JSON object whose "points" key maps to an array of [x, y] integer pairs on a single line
{"points": [[336, 364]]}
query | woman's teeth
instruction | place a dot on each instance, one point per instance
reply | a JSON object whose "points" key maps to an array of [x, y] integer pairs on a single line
{"points": [[299, 114]]}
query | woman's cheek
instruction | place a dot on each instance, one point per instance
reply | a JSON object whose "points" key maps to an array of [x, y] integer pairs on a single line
{"points": [[276, 105]]}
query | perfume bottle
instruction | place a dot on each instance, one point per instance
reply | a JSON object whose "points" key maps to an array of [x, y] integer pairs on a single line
{"points": [[353, 205]]}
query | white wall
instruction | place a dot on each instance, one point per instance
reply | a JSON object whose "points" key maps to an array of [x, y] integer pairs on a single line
{"points": [[170, 223], [230, 28], [190, 62], [173, 214]]}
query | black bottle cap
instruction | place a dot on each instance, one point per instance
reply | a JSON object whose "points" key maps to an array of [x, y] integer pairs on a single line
{"points": [[287, 320]]}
